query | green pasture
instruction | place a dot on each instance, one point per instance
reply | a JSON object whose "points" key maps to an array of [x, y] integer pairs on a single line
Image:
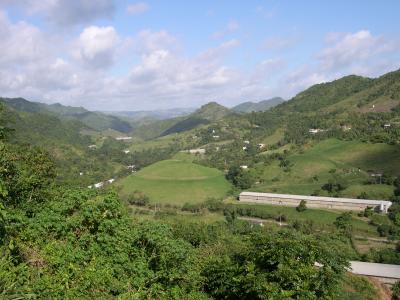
{"points": [[176, 181]]}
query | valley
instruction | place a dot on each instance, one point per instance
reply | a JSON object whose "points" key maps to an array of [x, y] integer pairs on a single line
{"points": [[332, 146]]}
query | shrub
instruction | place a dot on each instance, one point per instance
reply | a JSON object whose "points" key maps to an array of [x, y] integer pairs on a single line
{"points": [[302, 206], [138, 198]]}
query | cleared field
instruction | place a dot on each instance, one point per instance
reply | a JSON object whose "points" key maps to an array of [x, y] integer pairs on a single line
{"points": [[176, 181], [350, 159]]}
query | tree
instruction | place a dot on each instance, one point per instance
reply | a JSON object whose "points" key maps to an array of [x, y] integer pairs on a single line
{"points": [[343, 223], [240, 178], [302, 206]]}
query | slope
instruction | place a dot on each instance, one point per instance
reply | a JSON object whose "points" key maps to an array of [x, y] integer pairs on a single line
{"points": [[264, 105], [95, 120]]}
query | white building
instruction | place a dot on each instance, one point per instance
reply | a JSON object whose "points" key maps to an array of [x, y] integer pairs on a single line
{"points": [[98, 185], [126, 151], [386, 273], [123, 138], [197, 151], [261, 146], [111, 180], [92, 146], [216, 136], [244, 167], [246, 142], [315, 130], [244, 148], [314, 201]]}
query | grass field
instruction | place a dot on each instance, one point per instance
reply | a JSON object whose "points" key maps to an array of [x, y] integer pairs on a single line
{"points": [[176, 181], [351, 159]]}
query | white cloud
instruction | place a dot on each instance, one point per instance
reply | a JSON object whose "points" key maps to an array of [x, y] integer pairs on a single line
{"points": [[230, 28], [351, 48], [137, 8], [359, 53], [97, 46]]}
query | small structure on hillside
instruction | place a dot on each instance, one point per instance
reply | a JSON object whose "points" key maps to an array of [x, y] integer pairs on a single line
{"points": [[387, 126], [216, 136], [345, 127], [261, 146], [315, 202], [246, 142], [123, 138], [197, 151], [92, 146], [244, 148], [244, 167], [315, 130], [111, 180], [99, 185], [126, 151], [131, 167]]}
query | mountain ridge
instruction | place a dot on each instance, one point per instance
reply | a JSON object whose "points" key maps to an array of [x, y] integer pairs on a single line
{"points": [[262, 105]]}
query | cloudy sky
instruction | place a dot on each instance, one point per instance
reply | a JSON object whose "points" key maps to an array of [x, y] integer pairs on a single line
{"points": [[129, 55]]}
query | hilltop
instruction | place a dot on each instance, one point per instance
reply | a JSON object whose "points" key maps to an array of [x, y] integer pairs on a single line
{"points": [[247, 107], [206, 114], [351, 93]]}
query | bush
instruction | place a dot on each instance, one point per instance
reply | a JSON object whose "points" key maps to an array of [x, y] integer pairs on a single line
{"points": [[192, 207], [138, 198], [396, 291], [302, 206]]}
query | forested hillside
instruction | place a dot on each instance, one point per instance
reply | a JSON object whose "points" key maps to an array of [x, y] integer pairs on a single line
{"points": [[94, 120]]}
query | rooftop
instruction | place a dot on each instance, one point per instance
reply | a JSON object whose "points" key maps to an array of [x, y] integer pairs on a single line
{"points": [[316, 198], [374, 269]]}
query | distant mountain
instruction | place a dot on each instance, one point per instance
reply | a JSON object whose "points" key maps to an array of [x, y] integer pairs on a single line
{"points": [[94, 120], [206, 114], [161, 114], [264, 105]]}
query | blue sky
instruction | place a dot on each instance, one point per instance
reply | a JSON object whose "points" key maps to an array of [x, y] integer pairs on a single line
{"points": [[135, 55]]}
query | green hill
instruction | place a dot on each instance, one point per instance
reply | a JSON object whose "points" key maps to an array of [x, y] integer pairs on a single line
{"points": [[264, 105], [351, 93], [176, 181], [206, 114], [95, 120], [350, 161]]}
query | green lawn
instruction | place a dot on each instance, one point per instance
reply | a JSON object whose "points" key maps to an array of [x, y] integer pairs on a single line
{"points": [[347, 157], [176, 181]]}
